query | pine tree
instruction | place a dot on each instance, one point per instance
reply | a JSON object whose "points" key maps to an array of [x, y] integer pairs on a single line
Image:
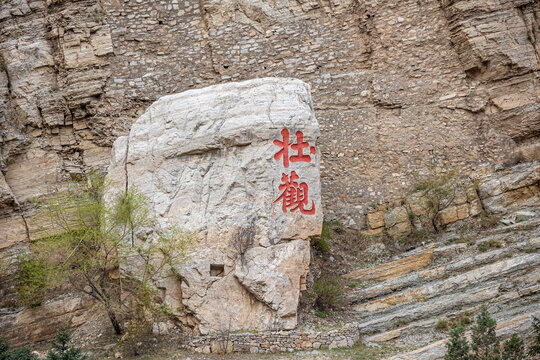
{"points": [[60, 349], [514, 349], [457, 348], [485, 345], [23, 353]]}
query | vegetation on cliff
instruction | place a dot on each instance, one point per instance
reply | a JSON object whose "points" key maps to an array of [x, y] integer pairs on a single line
{"points": [[104, 245]]}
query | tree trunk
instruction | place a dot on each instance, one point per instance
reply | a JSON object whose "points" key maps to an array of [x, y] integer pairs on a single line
{"points": [[114, 321]]}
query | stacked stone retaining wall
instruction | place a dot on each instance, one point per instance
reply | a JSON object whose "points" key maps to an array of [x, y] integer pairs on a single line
{"points": [[273, 341]]}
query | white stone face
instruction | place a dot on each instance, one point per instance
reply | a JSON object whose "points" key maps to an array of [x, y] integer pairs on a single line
{"points": [[206, 160]]}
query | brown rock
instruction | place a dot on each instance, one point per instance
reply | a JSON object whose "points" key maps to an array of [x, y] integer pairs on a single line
{"points": [[394, 268], [376, 219]]}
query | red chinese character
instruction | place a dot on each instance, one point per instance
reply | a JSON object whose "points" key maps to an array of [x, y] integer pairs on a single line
{"points": [[284, 145], [299, 147], [294, 196]]}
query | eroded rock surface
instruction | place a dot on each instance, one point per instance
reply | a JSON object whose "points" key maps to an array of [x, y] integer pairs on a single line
{"points": [[209, 161]]}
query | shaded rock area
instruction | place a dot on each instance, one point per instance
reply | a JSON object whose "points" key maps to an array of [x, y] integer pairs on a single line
{"points": [[219, 161]]}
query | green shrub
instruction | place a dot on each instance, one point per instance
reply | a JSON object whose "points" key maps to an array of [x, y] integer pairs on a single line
{"points": [[485, 245], [321, 245], [441, 325], [325, 233], [60, 349], [23, 353], [320, 314], [32, 280], [327, 293], [482, 247], [484, 342], [514, 349], [457, 348]]}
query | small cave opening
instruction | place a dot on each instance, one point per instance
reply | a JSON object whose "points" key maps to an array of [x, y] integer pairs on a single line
{"points": [[217, 270]]}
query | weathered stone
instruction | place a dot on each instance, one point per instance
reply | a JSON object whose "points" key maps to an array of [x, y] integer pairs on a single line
{"points": [[417, 204], [373, 231], [34, 175], [13, 231], [512, 189], [394, 268], [400, 229], [207, 164], [6, 196], [273, 275], [395, 216], [376, 249], [376, 219], [33, 325], [448, 215]]}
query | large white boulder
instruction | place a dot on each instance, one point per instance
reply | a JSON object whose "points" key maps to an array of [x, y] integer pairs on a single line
{"points": [[214, 161]]}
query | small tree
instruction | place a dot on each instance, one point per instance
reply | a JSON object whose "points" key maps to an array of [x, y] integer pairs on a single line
{"points": [[60, 349], [440, 188], [457, 348], [108, 249], [484, 344], [514, 349]]}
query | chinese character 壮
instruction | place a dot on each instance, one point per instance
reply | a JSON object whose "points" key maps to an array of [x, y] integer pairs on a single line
{"points": [[298, 147]]}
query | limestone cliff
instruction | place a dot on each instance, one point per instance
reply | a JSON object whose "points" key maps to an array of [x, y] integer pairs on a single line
{"points": [[396, 85]]}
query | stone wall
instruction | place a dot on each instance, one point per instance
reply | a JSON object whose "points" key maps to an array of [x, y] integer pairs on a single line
{"points": [[396, 84], [273, 341]]}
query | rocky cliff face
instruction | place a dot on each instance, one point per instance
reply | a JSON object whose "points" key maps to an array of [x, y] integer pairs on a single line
{"points": [[396, 85]]}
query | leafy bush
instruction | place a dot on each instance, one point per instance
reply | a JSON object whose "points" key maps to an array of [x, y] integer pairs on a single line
{"points": [[32, 280], [327, 293], [320, 314], [442, 324], [321, 245], [60, 349]]}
